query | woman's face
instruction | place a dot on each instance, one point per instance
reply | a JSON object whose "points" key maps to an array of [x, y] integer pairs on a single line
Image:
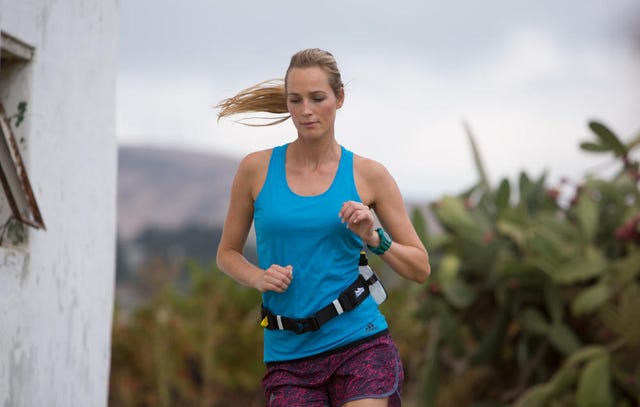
{"points": [[311, 102]]}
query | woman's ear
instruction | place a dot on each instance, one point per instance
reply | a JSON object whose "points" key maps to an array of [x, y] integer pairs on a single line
{"points": [[340, 99]]}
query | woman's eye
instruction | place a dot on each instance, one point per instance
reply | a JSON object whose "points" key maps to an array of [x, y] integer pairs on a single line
{"points": [[294, 100], [317, 100]]}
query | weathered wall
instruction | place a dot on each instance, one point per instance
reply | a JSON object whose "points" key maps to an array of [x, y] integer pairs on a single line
{"points": [[56, 293]]}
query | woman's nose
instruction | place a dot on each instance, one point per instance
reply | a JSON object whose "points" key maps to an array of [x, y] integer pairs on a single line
{"points": [[306, 108]]}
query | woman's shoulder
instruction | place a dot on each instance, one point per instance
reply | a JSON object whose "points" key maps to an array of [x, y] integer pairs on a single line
{"points": [[368, 168], [372, 179], [256, 161], [252, 171]]}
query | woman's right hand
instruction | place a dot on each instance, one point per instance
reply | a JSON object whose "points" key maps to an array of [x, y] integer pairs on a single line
{"points": [[275, 278]]}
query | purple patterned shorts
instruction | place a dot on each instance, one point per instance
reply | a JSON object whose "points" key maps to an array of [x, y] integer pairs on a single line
{"points": [[371, 369]]}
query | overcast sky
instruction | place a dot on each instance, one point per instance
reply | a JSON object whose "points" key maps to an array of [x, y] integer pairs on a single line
{"points": [[526, 76]]}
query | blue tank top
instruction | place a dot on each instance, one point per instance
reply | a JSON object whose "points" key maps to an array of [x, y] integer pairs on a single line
{"points": [[306, 233]]}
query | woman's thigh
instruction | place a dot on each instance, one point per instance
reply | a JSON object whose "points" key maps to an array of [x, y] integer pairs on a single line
{"points": [[373, 371]]}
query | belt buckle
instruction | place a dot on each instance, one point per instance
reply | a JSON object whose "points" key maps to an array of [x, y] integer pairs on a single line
{"points": [[306, 325], [348, 300]]}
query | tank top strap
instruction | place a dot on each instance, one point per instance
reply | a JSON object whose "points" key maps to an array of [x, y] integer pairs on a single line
{"points": [[276, 174], [344, 182]]}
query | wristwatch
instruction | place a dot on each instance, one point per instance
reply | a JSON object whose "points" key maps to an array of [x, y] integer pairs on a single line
{"points": [[385, 242]]}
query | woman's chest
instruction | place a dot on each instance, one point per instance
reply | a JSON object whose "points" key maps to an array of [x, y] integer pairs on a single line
{"points": [[310, 182]]}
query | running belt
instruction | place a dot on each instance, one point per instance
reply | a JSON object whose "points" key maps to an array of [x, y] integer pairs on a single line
{"points": [[348, 300]]}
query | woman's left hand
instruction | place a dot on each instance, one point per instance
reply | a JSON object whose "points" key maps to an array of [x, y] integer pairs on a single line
{"points": [[359, 220]]}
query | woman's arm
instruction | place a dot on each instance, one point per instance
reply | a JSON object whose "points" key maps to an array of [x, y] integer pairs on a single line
{"points": [[407, 255], [246, 184]]}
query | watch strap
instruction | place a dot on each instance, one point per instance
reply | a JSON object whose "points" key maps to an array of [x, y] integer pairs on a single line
{"points": [[385, 242]]}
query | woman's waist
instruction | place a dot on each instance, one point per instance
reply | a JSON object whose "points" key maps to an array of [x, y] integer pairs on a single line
{"points": [[308, 294], [362, 322]]}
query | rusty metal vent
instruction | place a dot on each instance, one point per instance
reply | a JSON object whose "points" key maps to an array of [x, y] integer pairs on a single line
{"points": [[15, 181]]}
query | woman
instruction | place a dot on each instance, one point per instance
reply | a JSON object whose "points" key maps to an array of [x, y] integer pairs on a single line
{"points": [[311, 201]]}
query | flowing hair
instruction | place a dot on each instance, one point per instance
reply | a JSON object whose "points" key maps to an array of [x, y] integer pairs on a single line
{"points": [[271, 96]]}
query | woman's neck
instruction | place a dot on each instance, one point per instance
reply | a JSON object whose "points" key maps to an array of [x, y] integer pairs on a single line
{"points": [[313, 153]]}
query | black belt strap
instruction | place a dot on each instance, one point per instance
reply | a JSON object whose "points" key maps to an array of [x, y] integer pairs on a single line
{"points": [[349, 299]]}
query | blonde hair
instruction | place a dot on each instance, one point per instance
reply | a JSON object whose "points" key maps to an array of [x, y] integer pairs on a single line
{"points": [[270, 96]]}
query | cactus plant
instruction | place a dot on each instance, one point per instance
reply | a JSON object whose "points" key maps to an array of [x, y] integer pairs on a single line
{"points": [[536, 290]]}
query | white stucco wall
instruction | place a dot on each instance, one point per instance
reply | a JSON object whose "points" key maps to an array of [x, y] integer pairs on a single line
{"points": [[56, 294]]}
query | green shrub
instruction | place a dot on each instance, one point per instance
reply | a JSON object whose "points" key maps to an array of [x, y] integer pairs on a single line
{"points": [[533, 299]]}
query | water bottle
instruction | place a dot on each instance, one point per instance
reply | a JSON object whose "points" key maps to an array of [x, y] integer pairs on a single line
{"points": [[376, 289]]}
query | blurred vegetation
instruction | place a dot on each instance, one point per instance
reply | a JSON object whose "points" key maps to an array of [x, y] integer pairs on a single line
{"points": [[202, 347], [533, 297], [534, 300]]}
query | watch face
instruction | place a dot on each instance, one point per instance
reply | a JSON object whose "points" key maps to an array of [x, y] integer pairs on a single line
{"points": [[385, 239], [384, 236], [385, 242]]}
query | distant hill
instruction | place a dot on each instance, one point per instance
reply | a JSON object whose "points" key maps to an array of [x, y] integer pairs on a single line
{"points": [[170, 189]]}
